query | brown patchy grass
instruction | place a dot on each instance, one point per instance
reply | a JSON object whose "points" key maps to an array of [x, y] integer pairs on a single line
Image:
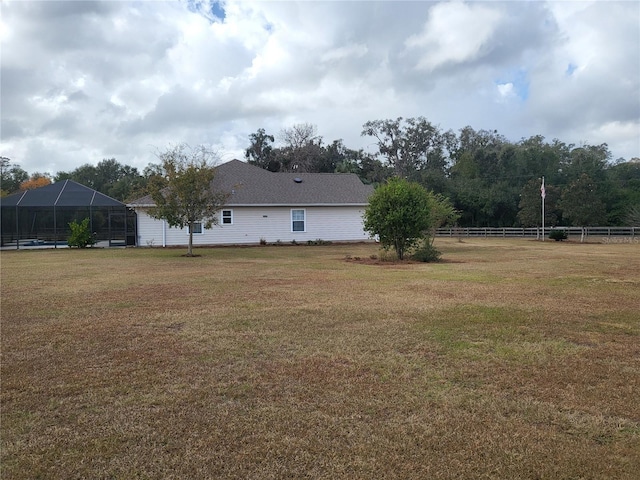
{"points": [[510, 359]]}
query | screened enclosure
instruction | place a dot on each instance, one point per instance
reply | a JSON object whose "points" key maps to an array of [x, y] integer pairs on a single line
{"points": [[41, 217]]}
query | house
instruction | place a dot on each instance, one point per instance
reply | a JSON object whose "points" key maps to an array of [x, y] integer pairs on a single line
{"points": [[266, 206]]}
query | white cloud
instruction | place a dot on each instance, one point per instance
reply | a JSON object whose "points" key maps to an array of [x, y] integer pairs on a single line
{"points": [[455, 32], [505, 91], [345, 53], [83, 81]]}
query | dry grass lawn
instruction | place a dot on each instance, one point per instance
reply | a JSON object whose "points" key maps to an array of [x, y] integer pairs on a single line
{"points": [[509, 359]]}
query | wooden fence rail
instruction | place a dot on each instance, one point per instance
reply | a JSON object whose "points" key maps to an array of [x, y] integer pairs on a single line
{"points": [[630, 233]]}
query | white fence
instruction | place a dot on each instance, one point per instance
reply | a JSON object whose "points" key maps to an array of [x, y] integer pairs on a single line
{"points": [[604, 234]]}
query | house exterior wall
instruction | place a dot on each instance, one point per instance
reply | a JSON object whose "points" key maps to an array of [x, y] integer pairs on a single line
{"points": [[251, 224], [150, 232]]}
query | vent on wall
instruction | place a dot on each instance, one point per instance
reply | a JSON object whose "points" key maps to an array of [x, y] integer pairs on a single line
{"points": [[297, 180]]}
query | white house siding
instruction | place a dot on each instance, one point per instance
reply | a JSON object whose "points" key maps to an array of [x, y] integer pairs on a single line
{"points": [[251, 224], [150, 230]]}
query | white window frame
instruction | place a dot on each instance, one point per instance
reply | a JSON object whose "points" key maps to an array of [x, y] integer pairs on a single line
{"points": [[222, 217], [304, 220], [195, 224]]}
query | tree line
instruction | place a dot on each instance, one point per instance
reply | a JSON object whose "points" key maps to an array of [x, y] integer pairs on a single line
{"points": [[109, 176], [490, 180]]}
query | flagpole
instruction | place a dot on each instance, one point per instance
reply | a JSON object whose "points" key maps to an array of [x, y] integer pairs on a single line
{"points": [[543, 194]]}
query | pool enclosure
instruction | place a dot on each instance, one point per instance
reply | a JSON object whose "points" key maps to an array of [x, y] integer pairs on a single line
{"points": [[41, 217]]}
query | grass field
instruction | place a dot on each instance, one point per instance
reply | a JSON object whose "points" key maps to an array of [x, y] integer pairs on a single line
{"points": [[509, 359]]}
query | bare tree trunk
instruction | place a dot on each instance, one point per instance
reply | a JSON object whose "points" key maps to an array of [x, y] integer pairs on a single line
{"points": [[190, 249]]}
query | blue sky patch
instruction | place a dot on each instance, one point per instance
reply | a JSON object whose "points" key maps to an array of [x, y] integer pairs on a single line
{"points": [[211, 9], [519, 82], [217, 9]]}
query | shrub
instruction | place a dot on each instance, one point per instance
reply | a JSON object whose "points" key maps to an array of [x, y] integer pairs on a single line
{"points": [[558, 234], [401, 212], [318, 241], [398, 213], [81, 235], [426, 252]]}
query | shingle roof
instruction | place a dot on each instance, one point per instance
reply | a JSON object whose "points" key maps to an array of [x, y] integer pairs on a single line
{"points": [[66, 193], [251, 185]]}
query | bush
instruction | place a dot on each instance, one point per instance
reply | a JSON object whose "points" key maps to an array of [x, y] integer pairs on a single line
{"points": [[398, 213], [81, 235], [558, 234], [426, 252], [318, 241]]}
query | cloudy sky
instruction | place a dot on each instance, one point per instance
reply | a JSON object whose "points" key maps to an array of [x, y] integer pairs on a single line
{"points": [[83, 81]]}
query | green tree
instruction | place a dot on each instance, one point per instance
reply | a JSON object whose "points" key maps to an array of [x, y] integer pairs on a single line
{"points": [[370, 170], [581, 204], [414, 147], [442, 213], [136, 186], [633, 216], [85, 175], [399, 213], [186, 195], [260, 152], [588, 159], [108, 176], [482, 178], [11, 176], [530, 213], [5, 164], [623, 190]]}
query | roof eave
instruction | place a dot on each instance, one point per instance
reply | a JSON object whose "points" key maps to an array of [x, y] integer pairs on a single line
{"points": [[300, 204], [296, 204]]}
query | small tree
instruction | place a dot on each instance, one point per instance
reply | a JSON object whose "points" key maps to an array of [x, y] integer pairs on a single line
{"points": [[185, 196], [399, 213], [442, 214], [81, 235]]}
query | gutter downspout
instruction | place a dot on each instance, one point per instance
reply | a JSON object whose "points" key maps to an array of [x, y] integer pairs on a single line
{"points": [[164, 233]]}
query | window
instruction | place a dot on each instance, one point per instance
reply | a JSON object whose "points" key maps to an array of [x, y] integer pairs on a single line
{"points": [[297, 220], [197, 227], [227, 217]]}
